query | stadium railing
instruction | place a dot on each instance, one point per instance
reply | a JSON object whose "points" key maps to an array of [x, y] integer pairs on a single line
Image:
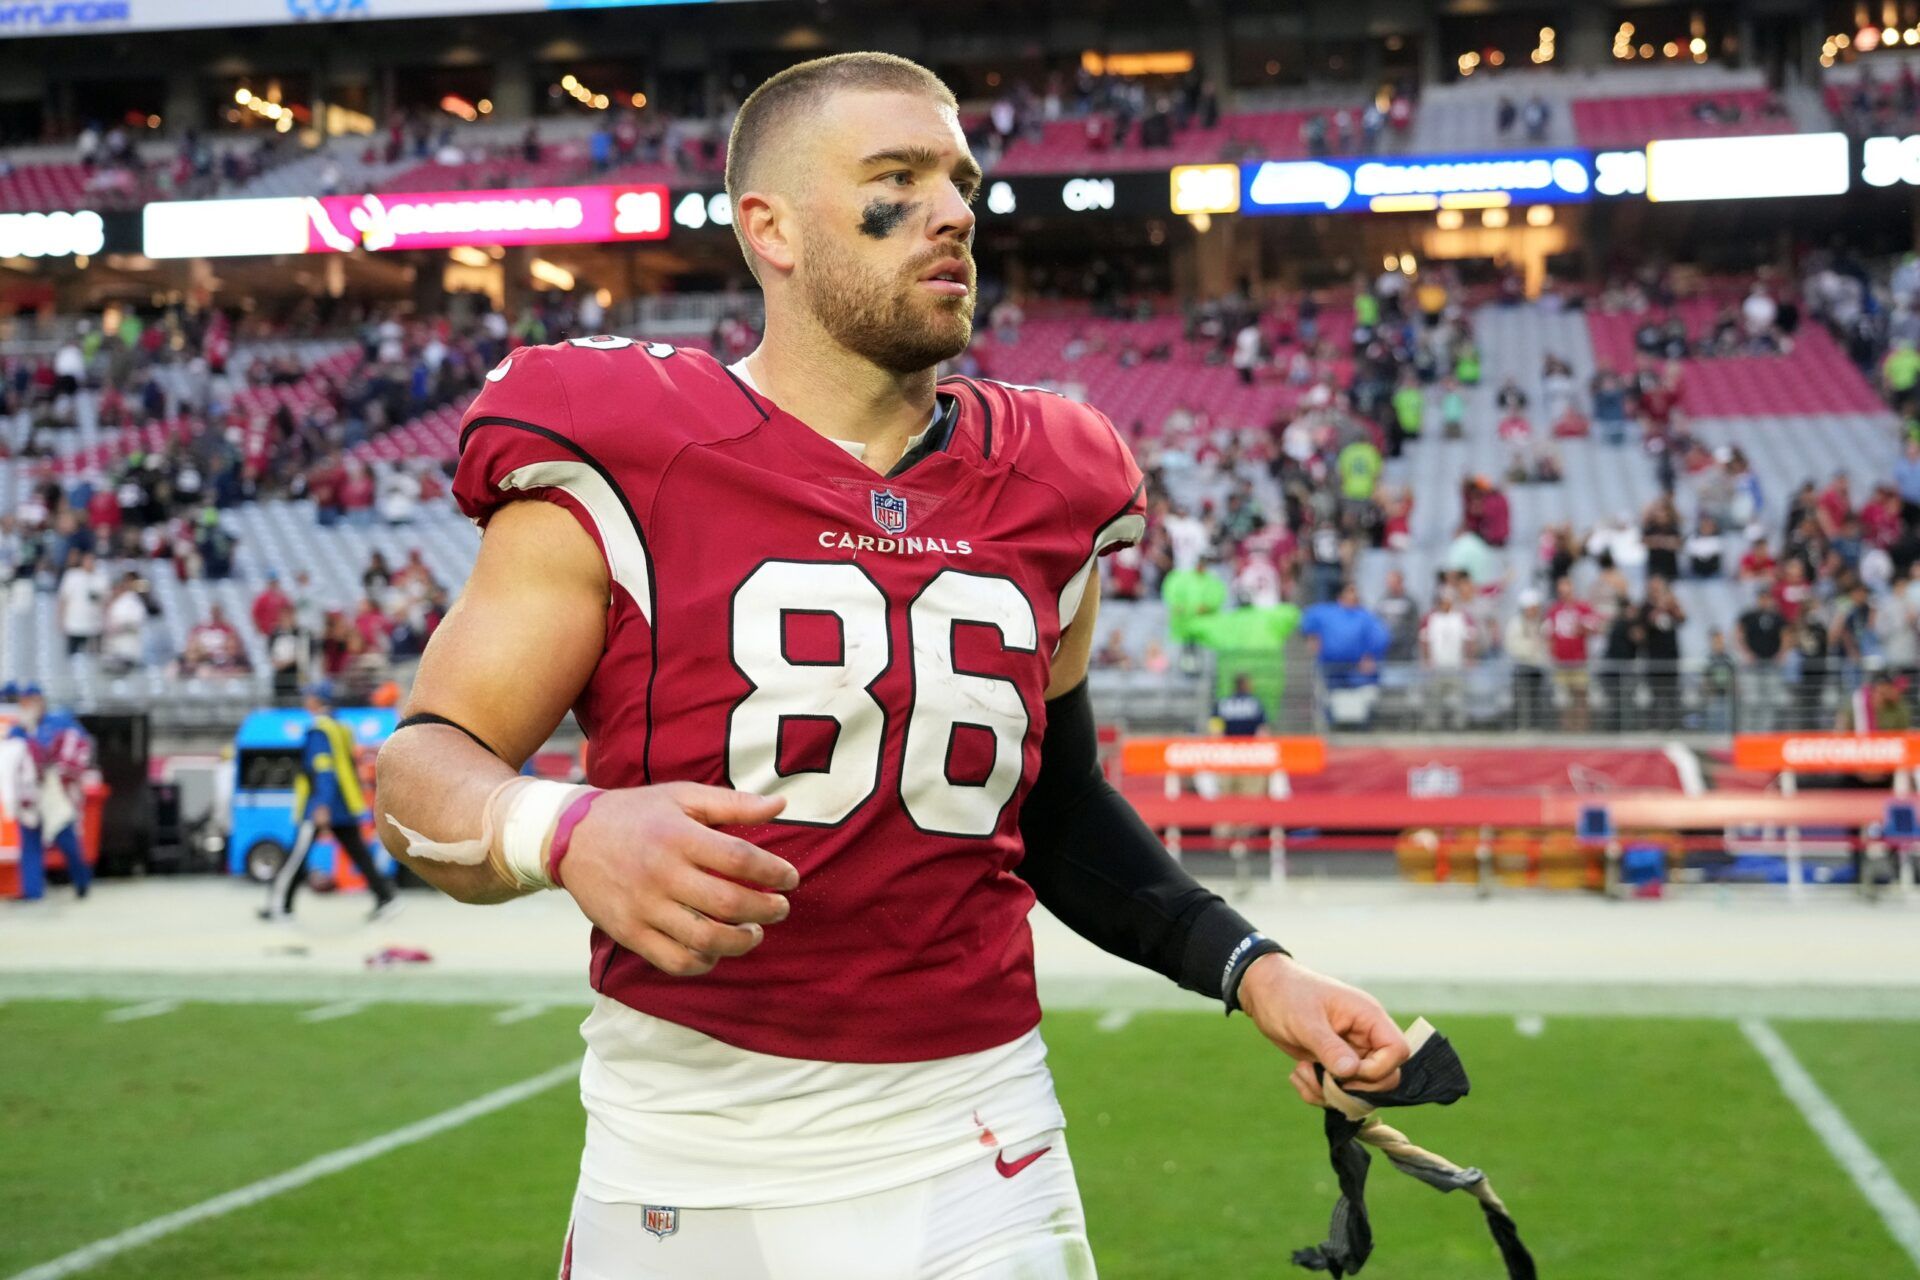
{"points": [[1692, 696], [656, 315]]}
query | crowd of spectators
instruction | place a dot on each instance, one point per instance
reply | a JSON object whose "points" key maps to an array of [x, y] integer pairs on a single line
{"points": [[1115, 112], [354, 648], [1593, 635], [199, 166], [1121, 111], [92, 537], [1281, 510], [1532, 117], [622, 137], [1880, 105]]}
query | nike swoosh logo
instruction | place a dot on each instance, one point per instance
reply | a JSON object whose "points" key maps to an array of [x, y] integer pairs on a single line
{"points": [[1008, 1168]]}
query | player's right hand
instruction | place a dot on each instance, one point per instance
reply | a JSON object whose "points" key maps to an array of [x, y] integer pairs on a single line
{"points": [[645, 866]]}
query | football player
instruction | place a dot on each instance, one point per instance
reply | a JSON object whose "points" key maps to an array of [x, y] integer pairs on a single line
{"points": [[825, 621]]}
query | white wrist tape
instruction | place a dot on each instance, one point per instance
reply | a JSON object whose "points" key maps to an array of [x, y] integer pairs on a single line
{"points": [[530, 813], [523, 812]]}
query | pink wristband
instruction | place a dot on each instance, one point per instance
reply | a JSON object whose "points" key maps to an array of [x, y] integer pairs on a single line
{"points": [[570, 817]]}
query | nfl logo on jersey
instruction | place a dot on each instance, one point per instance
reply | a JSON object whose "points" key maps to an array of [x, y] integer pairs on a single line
{"points": [[889, 511], [659, 1220]]}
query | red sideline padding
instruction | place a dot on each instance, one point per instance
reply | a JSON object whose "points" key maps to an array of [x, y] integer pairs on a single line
{"points": [[1396, 811], [1480, 770], [1495, 769]]}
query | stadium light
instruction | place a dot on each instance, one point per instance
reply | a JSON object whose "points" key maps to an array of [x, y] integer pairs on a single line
{"points": [[551, 273], [1476, 200]]}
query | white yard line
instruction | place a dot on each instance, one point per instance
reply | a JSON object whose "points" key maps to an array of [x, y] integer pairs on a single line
{"points": [[135, 1012], [521, 1012], [1114, 1019], [334, 1012], [99, 1251], [1882, 1190]]}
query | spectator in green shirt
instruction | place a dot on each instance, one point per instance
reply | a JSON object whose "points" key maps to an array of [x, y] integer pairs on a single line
{"points": [[1249, 642], [1409, 407], [1190, 595], [1366, 309], [1901, 373], [1360, 467], [1466, 363]]}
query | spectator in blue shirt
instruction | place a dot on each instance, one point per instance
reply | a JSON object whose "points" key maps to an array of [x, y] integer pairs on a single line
{"points": [[1240, 714], [1348, 640]]}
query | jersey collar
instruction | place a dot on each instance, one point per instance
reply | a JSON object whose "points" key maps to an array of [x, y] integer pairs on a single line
{"points": [[930, 439]]}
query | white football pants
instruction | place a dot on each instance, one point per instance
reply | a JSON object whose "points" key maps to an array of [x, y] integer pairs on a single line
{"points": [[1009, 1215]]}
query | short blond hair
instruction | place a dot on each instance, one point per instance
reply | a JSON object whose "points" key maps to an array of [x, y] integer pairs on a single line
{"points": [[791, 96]]}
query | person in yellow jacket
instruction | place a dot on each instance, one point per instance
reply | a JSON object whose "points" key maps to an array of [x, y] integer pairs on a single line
{"points": [[328, 795]]}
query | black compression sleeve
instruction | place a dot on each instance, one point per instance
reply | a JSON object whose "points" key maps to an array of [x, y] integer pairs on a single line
{"points": [[1094, 864], [427, 717]]}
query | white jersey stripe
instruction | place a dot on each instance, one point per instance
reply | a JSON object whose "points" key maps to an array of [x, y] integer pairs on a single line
{"points": [[627, 561]]}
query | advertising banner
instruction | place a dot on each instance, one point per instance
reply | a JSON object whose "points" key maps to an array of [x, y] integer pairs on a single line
{"points": [[409, 220], [1413, 184], [101, 17]]}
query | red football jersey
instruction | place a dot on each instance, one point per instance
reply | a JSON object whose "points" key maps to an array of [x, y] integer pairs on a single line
{"points": [[787, 621]]}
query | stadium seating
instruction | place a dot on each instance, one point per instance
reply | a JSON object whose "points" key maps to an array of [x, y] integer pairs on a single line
{"points": [[1138, 399], [1631, 122], [1784, 445], [557, 166], [307, 175], [70, 186], [1063, 145], [1816, 377], [90, 448], [1795, 416]]}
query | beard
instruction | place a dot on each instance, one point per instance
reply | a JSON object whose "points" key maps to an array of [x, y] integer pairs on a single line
{"points": [[885, 316]]}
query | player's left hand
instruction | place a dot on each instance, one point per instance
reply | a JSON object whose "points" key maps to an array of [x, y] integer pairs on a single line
{"points": [[1314, 1018]]}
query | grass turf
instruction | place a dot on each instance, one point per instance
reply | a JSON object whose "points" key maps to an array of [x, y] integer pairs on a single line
{"points": [[1648, 1148]]}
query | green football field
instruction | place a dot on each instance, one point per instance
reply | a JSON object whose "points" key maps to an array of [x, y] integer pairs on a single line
{"points": [[1625, 1147]]}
